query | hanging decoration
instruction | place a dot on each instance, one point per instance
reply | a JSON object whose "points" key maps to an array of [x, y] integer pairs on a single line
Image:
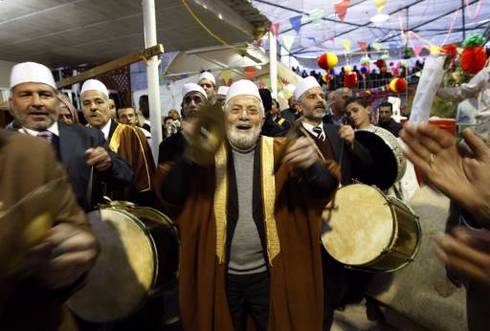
{"points": [[350, 79], [376, 46], [384, 57], [250, 72], [365, 69], [380, 63], [296, 23], [316, 16], [380, 4], [398, 85], [346, 43], [340, 8], [407, 52], [363, 45], [365, 60], [275, 29], [287, 42], [347, 69], [474, 55], [227, 76], [327, 61]]}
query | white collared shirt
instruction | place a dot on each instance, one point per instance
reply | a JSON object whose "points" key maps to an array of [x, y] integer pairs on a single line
{"points": [[53, 129], [106, 129], [309, 127]]}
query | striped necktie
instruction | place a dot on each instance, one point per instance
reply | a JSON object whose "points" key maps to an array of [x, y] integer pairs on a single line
{"points": [[46, 135], [319, 132]]}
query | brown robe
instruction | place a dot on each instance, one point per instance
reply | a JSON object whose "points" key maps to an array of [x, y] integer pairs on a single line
{"points": [[131, 145], [27, 163], [296, 295]]}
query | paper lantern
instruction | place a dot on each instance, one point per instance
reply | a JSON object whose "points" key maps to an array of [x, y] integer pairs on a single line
{"points": [[380, 63], [398, 85], [365, 60], [347, 69], [364, 70], [326, 77], [350, 79], [250, 72], [473, 59], [327, 61]]}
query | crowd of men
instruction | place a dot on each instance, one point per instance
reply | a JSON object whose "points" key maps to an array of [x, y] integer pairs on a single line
{"points": [[249, 223]]}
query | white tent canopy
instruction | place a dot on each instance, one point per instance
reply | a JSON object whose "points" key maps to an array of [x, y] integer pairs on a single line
{"points": [[434, 22]]}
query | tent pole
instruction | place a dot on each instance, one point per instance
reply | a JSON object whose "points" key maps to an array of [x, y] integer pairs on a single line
{"points": [[150, 32], [463, 12], [273, 63]]}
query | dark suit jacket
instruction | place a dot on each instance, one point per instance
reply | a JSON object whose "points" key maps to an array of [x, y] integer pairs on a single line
{"points": [[73, 141], [27, 163]]}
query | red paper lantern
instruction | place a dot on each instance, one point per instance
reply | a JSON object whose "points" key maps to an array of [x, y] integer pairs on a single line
{"points": [[250, 72], [473, 59], [350, 79]]}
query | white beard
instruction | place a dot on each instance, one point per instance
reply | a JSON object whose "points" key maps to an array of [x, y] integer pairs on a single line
{"points": [[243, 140]]}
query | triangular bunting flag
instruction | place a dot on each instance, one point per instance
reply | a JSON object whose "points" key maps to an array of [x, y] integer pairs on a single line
{"points": [[287, 42], [296, 22], [316, 15], [275, 29], [340, 9]]}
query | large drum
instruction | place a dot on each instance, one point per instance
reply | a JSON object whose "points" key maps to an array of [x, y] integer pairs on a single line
{"points": [[369, 231], [389, 162], [139, 252]]}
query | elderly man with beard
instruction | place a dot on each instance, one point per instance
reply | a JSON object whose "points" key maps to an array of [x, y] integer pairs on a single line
{"points": [[249, 226], [333, 142], [126, 141]]}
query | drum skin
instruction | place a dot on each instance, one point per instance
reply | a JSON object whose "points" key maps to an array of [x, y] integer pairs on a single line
{"points": [[389, 162], [138, 256], [369, 231]]}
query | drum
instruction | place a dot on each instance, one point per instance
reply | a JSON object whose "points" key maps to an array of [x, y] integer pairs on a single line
{"points": [[370, 231], [389, 162], [139, 252]]}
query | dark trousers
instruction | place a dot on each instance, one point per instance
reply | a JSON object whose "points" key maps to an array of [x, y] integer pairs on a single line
{"points": [[248, 295]]}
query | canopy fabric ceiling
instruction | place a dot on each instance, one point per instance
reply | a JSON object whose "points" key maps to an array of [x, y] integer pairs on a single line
{"points": [[436, 22], [74, 32]]}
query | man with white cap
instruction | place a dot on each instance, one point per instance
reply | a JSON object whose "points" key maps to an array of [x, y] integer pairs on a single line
{"points": [[208, 83], [193, 96], [34, 104], [333, 142], [249, 226], [127, 141]]}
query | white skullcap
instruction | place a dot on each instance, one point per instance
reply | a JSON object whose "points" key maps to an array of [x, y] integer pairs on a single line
{"points": [[304, 85], [94, 85], [223, 90], [31, 72], [193, 87], [243, 87], [207, 75]]}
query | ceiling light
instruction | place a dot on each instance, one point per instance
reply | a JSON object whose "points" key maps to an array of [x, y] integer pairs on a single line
{"points": [[380, 18]]}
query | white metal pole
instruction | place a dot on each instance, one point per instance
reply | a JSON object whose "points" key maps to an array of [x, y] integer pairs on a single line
{"points": [[150, 32], [273, 63]]}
